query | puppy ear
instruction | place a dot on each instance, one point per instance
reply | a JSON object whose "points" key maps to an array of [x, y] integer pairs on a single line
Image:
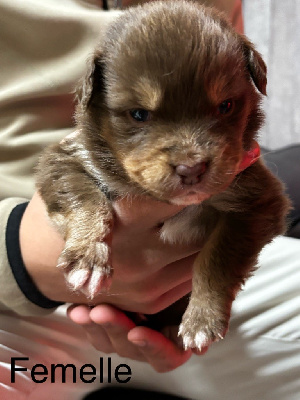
{"points": [[92, 84], [256, 66]]}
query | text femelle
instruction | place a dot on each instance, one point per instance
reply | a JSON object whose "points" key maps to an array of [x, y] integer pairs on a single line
{"points": [[62, 373]]}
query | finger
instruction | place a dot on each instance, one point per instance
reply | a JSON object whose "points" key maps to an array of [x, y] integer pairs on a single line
{"points": [[159, 351], [80, 314], [116, 325], [96, 335], [148, 210], [171, 296]]}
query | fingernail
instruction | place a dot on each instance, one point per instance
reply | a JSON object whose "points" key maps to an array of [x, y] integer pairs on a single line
{"points": [[139, 343]]}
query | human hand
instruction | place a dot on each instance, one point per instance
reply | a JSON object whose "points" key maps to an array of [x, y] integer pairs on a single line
{"points": [[148, 274], [111, 331]]}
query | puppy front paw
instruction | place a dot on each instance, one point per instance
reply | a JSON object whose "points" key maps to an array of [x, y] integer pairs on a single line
{"points": [[200, 327], [86, 267]]}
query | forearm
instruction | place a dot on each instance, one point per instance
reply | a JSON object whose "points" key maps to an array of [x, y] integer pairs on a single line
{"points": [[40, 247], [11, 295]]}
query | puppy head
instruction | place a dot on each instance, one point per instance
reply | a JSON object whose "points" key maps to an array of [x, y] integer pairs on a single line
{"points": [[174, 94]]}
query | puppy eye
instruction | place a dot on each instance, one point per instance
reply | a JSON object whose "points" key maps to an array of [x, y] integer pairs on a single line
{"points": [[225, 107], [140, 115]]}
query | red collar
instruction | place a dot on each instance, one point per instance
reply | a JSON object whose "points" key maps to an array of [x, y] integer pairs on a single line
{"points": [[250, 156]]}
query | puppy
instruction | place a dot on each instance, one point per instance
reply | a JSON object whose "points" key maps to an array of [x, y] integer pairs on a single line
{"points": [[169, 108]]}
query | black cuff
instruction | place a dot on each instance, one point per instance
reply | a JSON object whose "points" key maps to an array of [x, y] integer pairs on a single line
{"points": [[18, 268]]}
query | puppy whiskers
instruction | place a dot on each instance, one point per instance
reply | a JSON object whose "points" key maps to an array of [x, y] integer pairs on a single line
{"points": [[169, 73]]}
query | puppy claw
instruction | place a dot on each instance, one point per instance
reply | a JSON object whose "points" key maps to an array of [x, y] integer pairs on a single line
{"points": [[86, 269], [62, 265], [100, 281], [202, 340], [187, 340], [198, 330], [188, 343], [77, 278]]}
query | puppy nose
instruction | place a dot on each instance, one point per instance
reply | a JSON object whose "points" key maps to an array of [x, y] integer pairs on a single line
{"points": [[191, 175]]}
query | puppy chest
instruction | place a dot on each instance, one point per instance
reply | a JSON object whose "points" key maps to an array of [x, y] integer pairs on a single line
{"points": [[192, 225]]}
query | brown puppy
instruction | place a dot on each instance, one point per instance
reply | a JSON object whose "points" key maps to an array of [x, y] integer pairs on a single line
{"points": [[168, 109]]}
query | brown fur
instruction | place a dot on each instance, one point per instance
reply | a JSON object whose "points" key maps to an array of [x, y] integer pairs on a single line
{"points": [[179, 61]]}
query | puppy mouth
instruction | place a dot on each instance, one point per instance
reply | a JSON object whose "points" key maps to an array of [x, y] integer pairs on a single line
{"points": [[189, 194]]}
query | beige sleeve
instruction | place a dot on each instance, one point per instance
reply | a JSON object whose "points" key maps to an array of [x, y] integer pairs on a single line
{"points": [[44, 46], [232, 8]]}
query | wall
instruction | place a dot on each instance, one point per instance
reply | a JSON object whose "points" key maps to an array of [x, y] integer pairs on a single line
{"points": [[274, 26]]}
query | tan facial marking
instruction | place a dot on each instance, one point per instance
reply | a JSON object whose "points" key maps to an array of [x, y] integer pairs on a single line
{"points": [[149, 93]]}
